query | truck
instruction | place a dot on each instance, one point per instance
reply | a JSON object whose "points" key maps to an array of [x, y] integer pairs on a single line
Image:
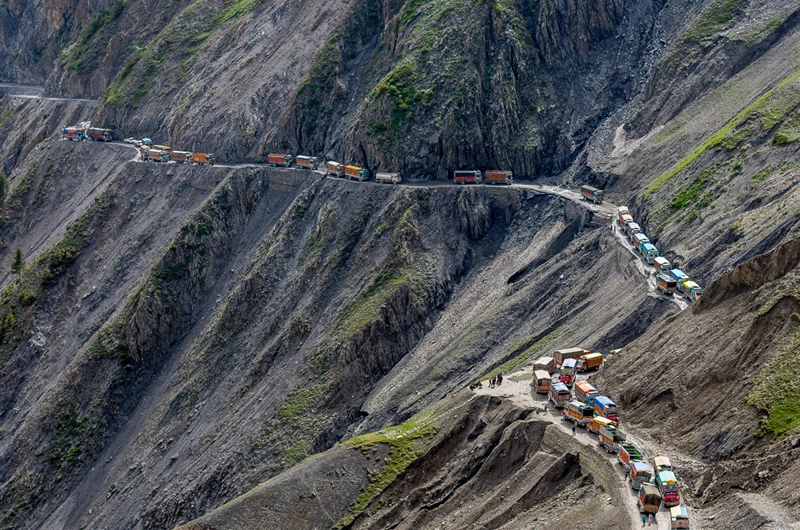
{"points": [[389, 178], [627, 453], [639, 240], [662, 463], [585, 392], [679, 518], [661, 264], [356, 173], [692, 290], [559, 395], [679, 277], [569, 353], [624, 219], [591, 361], [147, 141], [590, 193], [165, 148], [649, 252], [276, 159], [99, 135], [467, 176], [668, 486], [599, 422], [603, 406], [181, 157], [649, 500], [496, 176], [622, 210], [568, 369], [334, 169], [541, 382], [548, 364], [666, 284], [203, 159], [73, 134], [157, 156], [631, 229], [640, 474], [306, 162], [610, 438], [578, 413]]}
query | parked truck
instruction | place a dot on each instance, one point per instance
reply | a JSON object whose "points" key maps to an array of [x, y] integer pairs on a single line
{"points": [[593, 194], [649, 500], [73, 134], [568, 353], [578, 413], [389, 178], [181, 157], [568, 370], [679, 518], [662, 463], [603, 406], [666, 284], [204, 159], [599, 422], [585, 392], [155, 155], [356, 173], [99, 135], [638, 240], [649, 252], [276, 159], [334, 169], [640, 474], [668, 486], [661, 264], [541, 382], [679, 277], [631, 229], [627, 453], [306, 162], [610, 438], [591, 361], [496, 176], [624, 219], [692, 290], [548, 364], [559, 395], [467, 176]]}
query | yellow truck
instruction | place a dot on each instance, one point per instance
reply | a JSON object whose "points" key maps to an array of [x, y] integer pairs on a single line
{"points": [[592, 361]]}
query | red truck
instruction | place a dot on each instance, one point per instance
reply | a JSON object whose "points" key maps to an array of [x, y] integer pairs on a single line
{"points": [[203, 159], [467, 176], [279, 160], [494, 176], [99, 135]]}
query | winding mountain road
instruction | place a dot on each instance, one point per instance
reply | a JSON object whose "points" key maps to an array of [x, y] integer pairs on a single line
{"points": [[36, 92]]}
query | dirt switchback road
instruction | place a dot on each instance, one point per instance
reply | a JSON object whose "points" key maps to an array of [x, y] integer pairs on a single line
{"points": [[35, 92]]}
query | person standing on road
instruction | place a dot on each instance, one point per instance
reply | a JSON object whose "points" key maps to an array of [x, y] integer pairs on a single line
{"points": [[650, 519], [545, 408], [644, 519], [573, 429]]}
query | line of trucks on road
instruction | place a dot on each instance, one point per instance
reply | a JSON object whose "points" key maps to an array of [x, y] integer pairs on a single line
{"points": [[668, 280], [84, 131], [582, 405], [148, 152]]}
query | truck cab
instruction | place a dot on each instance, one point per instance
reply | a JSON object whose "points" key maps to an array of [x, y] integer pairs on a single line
{"points": [[692, 290], [568, 369], [679, 277]]}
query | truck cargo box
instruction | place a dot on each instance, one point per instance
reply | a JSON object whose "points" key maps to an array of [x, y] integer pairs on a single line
{"points": [[604, 406], [548, 364], [568, 353], [277, 159], [578, 413], [203, 159], [593, 194], [334, 169], [559, 395], [640, 474], [591, 361], [661, 264], [181, 157], [649, 499], [666, 284], [585, 392], [627, 453], [541, 381], [494, 176], [356, 173], [306, 162]]}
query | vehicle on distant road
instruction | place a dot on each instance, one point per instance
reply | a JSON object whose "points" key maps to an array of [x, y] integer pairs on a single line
{"points": [[99, 135], [590, 361], [388, 178], [274, 160], [593, 194], [306, 162], [334, 169], [467, 176], [181, 157], [356, 173], [494, 176], [203, 159], [666, 284]]}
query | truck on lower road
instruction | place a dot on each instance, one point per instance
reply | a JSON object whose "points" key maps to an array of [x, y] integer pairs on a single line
{"points": [[276, 159], [591, 361], [388, 178], [666, 284], [585, 392], [649, 500], [559, 395], [99, 135], [603, 406], [495, 176], [73, 134], [593, 194], [640, 474], [181, 157], [627, 453], [306, 162], [158, 156], [578, 413], [467, 176], [334, 169], [356, 173], [203, 159]]}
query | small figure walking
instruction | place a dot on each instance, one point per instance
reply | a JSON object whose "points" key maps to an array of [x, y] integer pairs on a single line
{"points": [[500, 378], [545, 408], [650, 519], [573, 429], [644, 519]]}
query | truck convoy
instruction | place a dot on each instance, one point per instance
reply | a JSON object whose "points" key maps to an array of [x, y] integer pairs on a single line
{"points": [[85, 131], [593, 194]]}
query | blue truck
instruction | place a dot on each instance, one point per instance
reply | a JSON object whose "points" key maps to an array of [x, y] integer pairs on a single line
{"points": [[680, 277], [649, 252]]}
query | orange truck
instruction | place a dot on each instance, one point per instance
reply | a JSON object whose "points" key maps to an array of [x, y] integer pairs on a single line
{"points": [[203, 159], [495, 176], [334, 168], [275, 160], [584, 391], [181, 157], [307, 162], [578, 413], [356, 173], [591, 361], [541, 382]]}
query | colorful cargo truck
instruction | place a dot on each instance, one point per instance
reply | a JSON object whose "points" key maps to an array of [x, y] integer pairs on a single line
{"points": [[624, 219], [356, 173], [541, 382], [158, 156], [598, 422], [666, 284], [631, 229], [640, 474], [661, 264], [548, 364], [603, 406], [585, 392], [679, 276], [592, 361], [662, 463], [275, 159], [590, 193], [307, 162], [204, 159], [559, 395], [692, 290], [627, 453], [679, 518], [578, 413], [649, 252], [99, 135], [568, 369], [494, 176], [568, 353], [467, 176], [649, 500], [639, 240], [668, 486], [181, 157], [610, 438], [334, 169]]}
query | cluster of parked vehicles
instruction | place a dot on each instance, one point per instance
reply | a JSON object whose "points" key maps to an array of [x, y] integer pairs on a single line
{"points": [[149, 152], [668, 280], [582, 405], [84, 131]]}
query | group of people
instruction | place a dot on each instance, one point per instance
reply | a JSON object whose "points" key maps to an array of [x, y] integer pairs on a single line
{"points": [[495, 380]]}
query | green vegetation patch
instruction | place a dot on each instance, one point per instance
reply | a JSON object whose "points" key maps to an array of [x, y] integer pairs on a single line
{"points": [[406, 442], [77, 56], [760, 32], [367, 305], [776, 389], [713, 19], [400, 85], [769, 107], [297, 405], [789, 131], [688, 195], [735, 137], [522, 352], [75, 239]]}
